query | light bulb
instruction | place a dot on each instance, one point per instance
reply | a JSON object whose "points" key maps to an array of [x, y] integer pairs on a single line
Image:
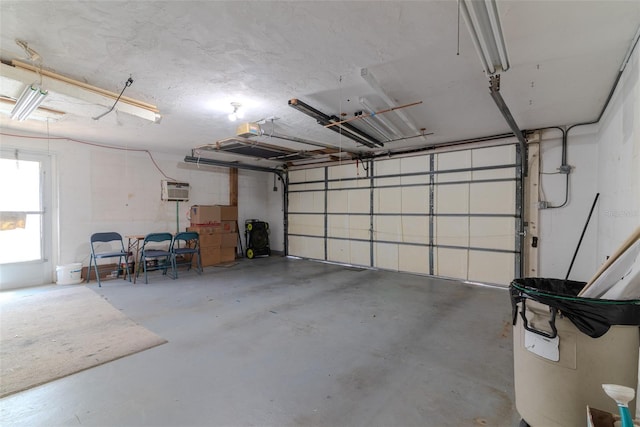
{"points": [[233, 117]]}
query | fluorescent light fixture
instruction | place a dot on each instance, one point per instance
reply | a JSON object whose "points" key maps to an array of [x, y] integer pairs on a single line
{"points": [[72, 96], [385, 123], [345, 129], [377, 87], [29, 100], [484, 26]]}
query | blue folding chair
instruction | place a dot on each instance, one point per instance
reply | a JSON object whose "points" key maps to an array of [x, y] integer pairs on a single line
{"points": [[156, 254], [186, 245], [98, 242]]}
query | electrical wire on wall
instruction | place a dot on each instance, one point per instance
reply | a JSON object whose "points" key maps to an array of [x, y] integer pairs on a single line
{"points": [[128, 83], [94, 144]]}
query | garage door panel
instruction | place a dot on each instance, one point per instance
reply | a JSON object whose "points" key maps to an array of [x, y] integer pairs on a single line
{"points": [[306, 247], [338, 226], [467, 202], [414, 164], [452, 198], [387, 228], [414, 259], [306, 224], [492, 174], [359, 226], [386, 256], [414, 169], [359, 201], [493, 198], [415, 229], [453, 160], [491, 267], [415, 199], [387, 200], [360, 253], [493, 156], [451, 263], [337, 201], [342, 171], [491, 232], [348, 226], [312, 201], [387, 167], [452, 231]]}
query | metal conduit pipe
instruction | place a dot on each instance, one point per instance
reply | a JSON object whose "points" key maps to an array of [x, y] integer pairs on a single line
{"points": [[565, 134], [562, 166], [225, 164]]}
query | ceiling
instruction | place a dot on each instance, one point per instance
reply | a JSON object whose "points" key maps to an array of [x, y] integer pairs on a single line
{"points": [[192, 59]]}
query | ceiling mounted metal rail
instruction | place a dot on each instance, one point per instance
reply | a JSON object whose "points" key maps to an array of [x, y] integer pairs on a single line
{"points": [[222, 163], [345, 129], [494, 88]]}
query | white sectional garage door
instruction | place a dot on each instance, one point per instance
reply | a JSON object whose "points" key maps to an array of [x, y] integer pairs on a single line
{"points": [[452, 214]]}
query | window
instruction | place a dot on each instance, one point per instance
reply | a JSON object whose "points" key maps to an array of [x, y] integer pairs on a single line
{"points": [[21, 210]]}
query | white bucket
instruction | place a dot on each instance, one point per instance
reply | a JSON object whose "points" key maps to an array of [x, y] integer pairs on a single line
{"points": [[69, 274]]}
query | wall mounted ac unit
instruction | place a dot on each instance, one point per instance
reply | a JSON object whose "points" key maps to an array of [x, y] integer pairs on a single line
{"points": [[175, 191]]}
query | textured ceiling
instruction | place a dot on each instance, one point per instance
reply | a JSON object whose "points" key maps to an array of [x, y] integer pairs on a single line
{"points": [[188, 57]]}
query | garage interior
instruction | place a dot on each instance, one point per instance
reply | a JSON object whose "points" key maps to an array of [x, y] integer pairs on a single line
{"points": [[408, 172]]}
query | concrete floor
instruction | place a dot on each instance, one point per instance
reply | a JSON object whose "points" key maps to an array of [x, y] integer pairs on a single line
{"points": [[286, 342]]}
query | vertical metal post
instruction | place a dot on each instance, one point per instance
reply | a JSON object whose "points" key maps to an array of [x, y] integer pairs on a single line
{"points": [[326, 212], [520, 230], [285, 206], [431, 212], [371, 222]]}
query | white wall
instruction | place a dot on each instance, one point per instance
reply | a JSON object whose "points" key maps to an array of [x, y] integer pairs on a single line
{"points": [[259, 201], [560, 229], [101, 189], [619, 163], [606, 160]]}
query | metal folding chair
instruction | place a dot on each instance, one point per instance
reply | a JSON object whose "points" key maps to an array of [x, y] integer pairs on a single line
{"points": [[186, 245], [156, 254], [98, 241]]}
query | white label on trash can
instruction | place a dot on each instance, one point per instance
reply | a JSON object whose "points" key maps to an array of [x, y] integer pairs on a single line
{"points": [[542, 346]]}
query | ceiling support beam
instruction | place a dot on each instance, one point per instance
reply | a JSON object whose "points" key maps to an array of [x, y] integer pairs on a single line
{"points": [[494, 88]]}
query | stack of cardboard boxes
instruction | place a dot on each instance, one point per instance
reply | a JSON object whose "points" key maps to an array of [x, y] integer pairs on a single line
{"points": [[217, 227]]}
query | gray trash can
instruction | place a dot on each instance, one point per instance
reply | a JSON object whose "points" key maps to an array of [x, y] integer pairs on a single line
{"points": [[559, 367]]}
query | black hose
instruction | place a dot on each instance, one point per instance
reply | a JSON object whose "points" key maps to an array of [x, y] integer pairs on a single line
{"points": [[582, 235]]}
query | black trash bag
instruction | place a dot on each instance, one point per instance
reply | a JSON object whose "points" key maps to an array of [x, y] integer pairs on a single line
{"points": [[592, 316]]}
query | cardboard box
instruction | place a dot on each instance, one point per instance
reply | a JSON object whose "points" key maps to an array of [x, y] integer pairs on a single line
{"points": [[598, 418], [208, 236], [209, 256], [227, 254], [228, 240], [209, 214], [226, 227]]}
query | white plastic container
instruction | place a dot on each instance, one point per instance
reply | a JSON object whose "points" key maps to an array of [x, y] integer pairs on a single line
{"points": [[555, 393], [70, 274]]}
